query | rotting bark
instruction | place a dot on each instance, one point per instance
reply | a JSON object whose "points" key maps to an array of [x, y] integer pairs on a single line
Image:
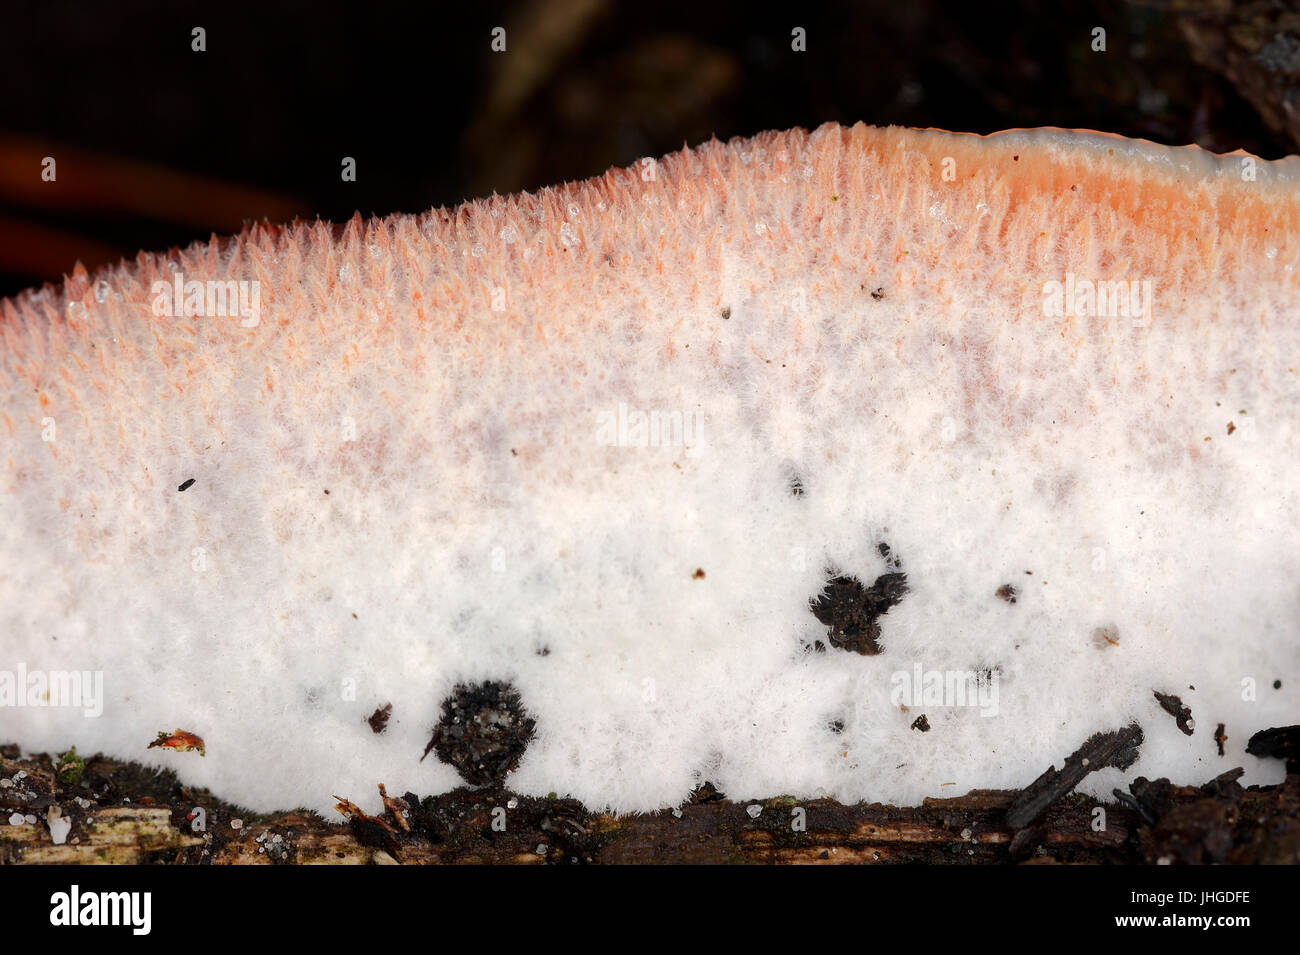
{"points": [[131, 814]]}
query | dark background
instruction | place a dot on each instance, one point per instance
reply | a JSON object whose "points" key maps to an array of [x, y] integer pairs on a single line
{"points": [[158, 145]]}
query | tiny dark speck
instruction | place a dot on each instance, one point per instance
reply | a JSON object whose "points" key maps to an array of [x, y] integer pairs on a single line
{"points": [[186, 485], [327, 490], [878, 294], [726, 312], [699, 573]]}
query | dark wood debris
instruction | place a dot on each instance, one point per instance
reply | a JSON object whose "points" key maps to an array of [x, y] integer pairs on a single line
{"points": [[1181, 713], [1119, 749]]}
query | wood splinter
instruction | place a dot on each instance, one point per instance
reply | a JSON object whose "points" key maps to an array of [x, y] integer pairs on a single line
{"points": [[1118, 749]]}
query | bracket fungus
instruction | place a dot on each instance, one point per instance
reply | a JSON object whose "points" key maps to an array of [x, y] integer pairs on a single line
{"points": [[415, 449]]}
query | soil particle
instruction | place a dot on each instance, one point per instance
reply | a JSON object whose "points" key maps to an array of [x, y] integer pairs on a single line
{"points": [[378, 720], [851, 611], [483, 732]]}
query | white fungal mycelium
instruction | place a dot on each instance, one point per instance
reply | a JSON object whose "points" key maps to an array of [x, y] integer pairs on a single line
{"points": [[607, 442]]}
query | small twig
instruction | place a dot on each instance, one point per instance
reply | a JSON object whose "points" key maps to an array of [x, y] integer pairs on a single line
{"points": [[1117, 749]]}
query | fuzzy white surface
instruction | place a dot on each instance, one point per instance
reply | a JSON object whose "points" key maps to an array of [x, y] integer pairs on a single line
{"points": [[476, 515]]}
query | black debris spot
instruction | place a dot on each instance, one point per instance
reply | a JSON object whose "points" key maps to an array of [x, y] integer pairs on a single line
{"points": [[1231, 427], [921, 723], [1118, 748], [1220, 737], [187, 485], [378, 720], [890, 558], [836, 726], [726, 312], [796, 486], [851, 611], [543, 651], [327, 490], [1015, 159], [699, 574], [1277, 684], [815, 647], [1280, 742], [1008, 593], [1175, 708], [514, 453], [483, 732], [878, 294]]}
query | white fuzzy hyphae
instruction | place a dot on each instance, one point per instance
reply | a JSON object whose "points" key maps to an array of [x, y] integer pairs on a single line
{"points": [[426, 450]]}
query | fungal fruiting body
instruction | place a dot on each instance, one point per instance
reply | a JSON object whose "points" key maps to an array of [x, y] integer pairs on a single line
{"points": [[611, 442]]}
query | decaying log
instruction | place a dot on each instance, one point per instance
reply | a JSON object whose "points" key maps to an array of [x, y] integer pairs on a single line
{"points": [[120, 812]]}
